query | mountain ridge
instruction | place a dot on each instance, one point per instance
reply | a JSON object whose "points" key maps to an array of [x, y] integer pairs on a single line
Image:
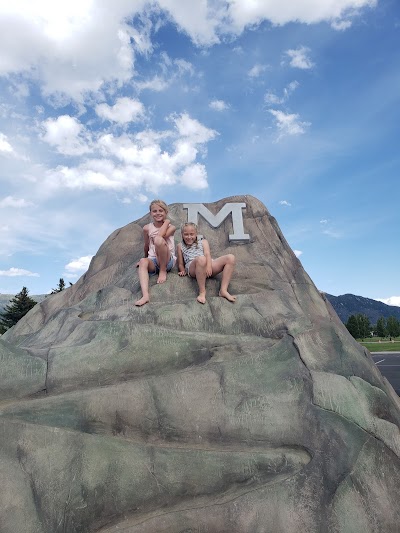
{"points": [[346, 305]]}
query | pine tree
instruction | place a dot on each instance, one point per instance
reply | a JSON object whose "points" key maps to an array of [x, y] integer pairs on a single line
{"points": [[19, 305], [393, 327], [60, 287], [381, 330], [364, 325], [352, 326], [359, 326]]}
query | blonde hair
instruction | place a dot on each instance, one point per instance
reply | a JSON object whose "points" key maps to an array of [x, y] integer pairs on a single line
{"points": [[161, 203], [184, 225], [189, 224]]}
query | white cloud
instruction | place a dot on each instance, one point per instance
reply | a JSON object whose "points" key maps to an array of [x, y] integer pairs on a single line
{"points": [[285, 202], [297, 253], [57, 41], [328, 228], [288, 124], [184, 67], [271, 98], [129, 162], [194, 177], [393, 300], [291, 87], [332, 233], [256, 71], [299, 58], [218, 105], [242, 13], [156, 84], [66, 134], [78, 266], [193, 129], [123, 111], [10, 201], [197, 18], [171, 70], [142, 198], [20, 90], [341, 25], [5, 146], [13, 272]]}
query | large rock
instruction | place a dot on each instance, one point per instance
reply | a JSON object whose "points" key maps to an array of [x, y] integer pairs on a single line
{"points": [[259, 416]]}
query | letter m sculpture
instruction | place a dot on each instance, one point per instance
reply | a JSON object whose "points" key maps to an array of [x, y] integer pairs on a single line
{"points": [[194, 210]]}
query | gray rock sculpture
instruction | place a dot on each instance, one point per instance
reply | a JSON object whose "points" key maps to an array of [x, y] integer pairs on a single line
{"points": [[262, 416]]}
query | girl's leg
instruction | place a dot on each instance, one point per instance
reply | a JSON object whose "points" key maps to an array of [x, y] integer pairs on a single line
{"points": [[226, 265], [163, 255], [197, 270], [145, 266]]}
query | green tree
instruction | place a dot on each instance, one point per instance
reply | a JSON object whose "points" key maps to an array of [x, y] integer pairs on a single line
{"points": [[352, 326], [359, 326], [381, 330], [393, 327], [364, 325], [19, 305], [60, 287]]}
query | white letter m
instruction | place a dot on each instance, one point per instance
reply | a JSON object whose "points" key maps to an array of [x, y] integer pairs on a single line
{"points": [[194, 210]]}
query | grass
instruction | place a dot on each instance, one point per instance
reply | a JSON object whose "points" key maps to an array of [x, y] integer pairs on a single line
{"points": [[375, 344]]}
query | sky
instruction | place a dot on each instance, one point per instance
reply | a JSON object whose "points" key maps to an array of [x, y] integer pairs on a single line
{"points": [[107, 104]]}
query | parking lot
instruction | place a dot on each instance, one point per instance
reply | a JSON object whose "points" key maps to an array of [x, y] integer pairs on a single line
{"points": [[389, 366]]}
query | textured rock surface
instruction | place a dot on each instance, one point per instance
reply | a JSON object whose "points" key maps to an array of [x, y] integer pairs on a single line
{"points": [[259, 416]]}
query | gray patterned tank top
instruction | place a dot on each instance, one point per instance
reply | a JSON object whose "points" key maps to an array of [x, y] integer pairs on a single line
{"points": [[191, 252]]}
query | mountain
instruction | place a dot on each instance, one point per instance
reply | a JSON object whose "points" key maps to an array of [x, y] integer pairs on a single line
{"points": [[350, 304]]}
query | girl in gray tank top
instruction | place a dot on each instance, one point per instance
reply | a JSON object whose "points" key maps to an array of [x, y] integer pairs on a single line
{"points": [[194, 260]]}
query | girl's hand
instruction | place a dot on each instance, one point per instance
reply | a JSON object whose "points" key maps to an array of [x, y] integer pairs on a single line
{"points": [[182, 273], [208, 271]]}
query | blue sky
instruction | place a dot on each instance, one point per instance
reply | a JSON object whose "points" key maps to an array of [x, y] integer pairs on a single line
{"points": [[106, 105]]}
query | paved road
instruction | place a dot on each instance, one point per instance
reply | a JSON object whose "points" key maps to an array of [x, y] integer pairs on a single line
{"points": [[389, 365]]}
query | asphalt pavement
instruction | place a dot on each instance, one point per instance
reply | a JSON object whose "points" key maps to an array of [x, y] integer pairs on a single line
{"points": [[389, 366]]}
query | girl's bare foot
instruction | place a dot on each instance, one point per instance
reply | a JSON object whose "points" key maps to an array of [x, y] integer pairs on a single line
{"points": [[229, 297], [162, 277], [142, 301], [201, 298]]}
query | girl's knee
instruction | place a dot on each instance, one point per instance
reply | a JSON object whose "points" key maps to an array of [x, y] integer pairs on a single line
{"points": [[201, 261], [159, 241], [143, 263], [230, 259]]}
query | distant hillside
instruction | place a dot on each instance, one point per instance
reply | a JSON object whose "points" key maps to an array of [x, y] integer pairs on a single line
{"points": [[5, 299], [349, 304]]}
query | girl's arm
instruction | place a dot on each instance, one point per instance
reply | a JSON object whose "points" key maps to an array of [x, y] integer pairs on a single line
{"points": [[207, 254], [146, 240], [170, 231], [181, 264], [167, 229]]}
